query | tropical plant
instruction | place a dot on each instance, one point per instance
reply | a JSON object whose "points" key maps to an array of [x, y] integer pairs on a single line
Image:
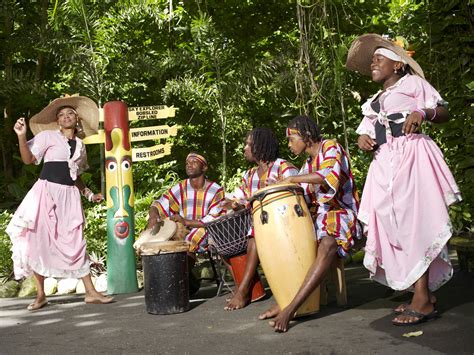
{"points": [[228, 66]]}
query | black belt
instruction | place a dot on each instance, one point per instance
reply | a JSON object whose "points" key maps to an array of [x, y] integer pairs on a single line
{"points": [[395, 128], [57, 172]]}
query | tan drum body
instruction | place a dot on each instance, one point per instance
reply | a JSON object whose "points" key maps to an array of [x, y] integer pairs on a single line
{"points": [[286, 243]]}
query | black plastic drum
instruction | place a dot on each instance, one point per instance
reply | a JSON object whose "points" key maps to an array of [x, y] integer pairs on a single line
{"points": [[165, 269]]}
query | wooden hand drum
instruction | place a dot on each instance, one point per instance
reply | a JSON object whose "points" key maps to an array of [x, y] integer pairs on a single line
{"points": [[286, 242]]}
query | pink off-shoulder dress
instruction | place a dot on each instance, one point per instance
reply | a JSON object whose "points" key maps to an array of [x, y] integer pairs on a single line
{"points": [[46, 229], [408, 189]]}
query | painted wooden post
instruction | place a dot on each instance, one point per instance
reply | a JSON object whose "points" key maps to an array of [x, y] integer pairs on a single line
{"points": [[121, 266]]}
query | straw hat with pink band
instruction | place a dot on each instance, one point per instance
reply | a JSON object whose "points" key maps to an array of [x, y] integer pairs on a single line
{"points": [[364, 47], [86, 109]]}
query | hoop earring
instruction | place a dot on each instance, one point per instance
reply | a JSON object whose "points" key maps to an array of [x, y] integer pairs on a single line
{"points": [[79, 129]]}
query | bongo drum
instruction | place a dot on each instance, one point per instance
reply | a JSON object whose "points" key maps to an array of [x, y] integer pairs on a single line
{"points": [[228, 235], [162, 231], [286, 242], [166, 276]]}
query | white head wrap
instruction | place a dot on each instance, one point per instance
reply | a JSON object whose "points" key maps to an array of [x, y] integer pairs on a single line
{"points": [[389, 54]]}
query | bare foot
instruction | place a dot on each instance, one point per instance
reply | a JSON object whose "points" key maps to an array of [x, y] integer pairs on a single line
{"points": [[37, 304], [98, 298], [237, 301], [271, 312], [234, 291], [282, 320]]}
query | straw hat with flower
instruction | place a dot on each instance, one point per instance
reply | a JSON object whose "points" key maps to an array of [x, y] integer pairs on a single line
{"points": [[362, 49], [86, 109]]}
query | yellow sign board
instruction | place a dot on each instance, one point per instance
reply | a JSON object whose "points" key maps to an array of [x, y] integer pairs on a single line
{"points": [[151, 153], [155, 132], [95, 138], [150, 112]]}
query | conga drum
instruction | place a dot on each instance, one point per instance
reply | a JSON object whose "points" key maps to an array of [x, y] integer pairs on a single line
{"points": [[229, 235], [286, 242], [166, 276]]}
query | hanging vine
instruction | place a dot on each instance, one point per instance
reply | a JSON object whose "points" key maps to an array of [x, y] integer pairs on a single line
{"points": [[318, 49]]}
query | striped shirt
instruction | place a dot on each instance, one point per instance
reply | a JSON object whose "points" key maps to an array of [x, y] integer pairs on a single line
{"points": [[335, 206], [189, 203], [251, 182]]}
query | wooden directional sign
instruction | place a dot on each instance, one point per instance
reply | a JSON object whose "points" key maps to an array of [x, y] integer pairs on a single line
{"points": [[150, 112], [144, 133], [138, 134], [151, 153], [152, 133], [95, 138]]}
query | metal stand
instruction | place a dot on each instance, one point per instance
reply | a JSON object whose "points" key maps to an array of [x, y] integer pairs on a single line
{"points": [[217, 265]]}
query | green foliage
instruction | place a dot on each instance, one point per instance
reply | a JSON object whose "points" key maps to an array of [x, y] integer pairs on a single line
{"points": [[95, 230], [6, 262], [228, 66], [143, 200]]}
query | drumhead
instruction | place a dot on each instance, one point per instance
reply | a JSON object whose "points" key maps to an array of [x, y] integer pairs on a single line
{"points": [[229, 233], [161, 232], [261, 193], [227, 217], [156, 248]]}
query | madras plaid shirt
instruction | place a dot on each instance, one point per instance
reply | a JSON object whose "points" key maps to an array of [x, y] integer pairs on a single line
{"points": [[335, 207], [202, 205], [251, 182]]}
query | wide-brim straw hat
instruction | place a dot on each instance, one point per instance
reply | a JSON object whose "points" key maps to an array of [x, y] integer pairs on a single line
{"points": [[362, 50], [86, 109]]}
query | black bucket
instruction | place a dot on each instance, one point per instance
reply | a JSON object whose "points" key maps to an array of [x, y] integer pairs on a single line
{"points": [[166, 282]]}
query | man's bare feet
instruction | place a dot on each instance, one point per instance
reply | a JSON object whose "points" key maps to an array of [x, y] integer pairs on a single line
{"points": [[98, 298], [270, 313], [237, 301], [37, 304], [282, 320]]}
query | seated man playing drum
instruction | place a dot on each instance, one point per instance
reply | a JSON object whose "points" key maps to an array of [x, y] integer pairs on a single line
{"points": [[327, 179], [192, 202], [261, 148]]}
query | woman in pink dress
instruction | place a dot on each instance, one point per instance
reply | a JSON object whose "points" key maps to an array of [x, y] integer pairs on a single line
{"points": [[409, 187], [46, 229]]}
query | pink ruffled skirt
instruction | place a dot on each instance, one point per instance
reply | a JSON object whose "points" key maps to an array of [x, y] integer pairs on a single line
{"points": [[46, 233], [404, 208]]}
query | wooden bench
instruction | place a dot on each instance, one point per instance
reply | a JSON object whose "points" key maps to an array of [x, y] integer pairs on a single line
{"points": [[336, 276]]}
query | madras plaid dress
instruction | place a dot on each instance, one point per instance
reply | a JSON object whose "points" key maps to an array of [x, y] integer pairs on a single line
{"points": [[202, 204], [251, 182], [334, 209]]}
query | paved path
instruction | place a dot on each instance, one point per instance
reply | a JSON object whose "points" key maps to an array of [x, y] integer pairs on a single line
{"points": [[67, 325]]}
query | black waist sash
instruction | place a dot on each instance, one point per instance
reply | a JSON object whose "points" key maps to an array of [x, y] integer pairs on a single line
{"points": [[380, 130], [395, 128], [57, 172]]}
